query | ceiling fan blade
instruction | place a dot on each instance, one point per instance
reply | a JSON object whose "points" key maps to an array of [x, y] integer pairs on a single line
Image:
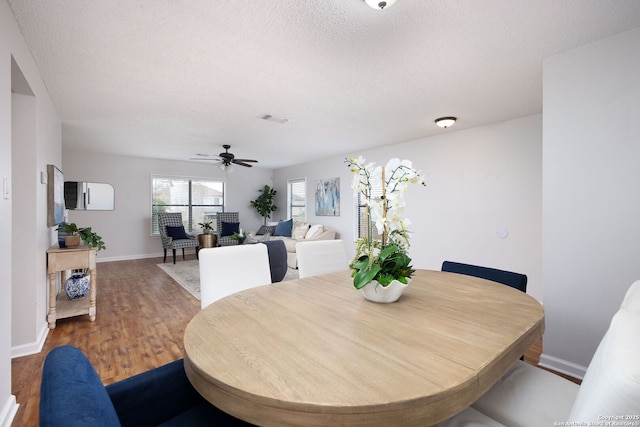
{"points": [[238, 162], [246, 160]]}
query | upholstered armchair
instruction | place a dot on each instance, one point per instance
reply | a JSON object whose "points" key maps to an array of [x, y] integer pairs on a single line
{"points": [[72, 394], [173, 235], [228, 223]]}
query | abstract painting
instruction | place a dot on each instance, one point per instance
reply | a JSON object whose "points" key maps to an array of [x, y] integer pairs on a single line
{"points": [[328, 197]]}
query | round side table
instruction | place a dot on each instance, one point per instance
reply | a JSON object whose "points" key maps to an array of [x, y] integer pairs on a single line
{"points": [[207, 241]]}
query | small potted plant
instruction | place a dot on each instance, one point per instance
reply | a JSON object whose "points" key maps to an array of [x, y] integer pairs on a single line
{"points": [[207, 227], [72, 238], [91, 239], [239, 236], [75, 234]]}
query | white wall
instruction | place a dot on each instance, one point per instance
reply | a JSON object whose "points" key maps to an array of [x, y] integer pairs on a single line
{"points": [[591, 197], [35, 143], [7, 400], [127, 229], [24, 214], [28, 256], [478, 181]]}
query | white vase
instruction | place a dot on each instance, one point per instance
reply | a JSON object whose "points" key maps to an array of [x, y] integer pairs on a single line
{"points": [[375, 292]]}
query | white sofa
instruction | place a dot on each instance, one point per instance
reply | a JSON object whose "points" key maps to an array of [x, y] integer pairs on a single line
{"points": [[304, 232]]}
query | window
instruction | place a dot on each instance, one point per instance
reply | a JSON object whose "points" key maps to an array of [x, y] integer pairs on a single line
{"points": [[297, 197], [198, 200], [361, 208]]}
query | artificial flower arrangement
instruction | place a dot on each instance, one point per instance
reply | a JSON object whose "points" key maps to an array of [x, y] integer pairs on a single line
{"points": [[383, 259]]}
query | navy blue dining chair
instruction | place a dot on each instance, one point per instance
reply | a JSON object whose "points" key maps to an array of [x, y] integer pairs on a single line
{"points": [[509, 278]]}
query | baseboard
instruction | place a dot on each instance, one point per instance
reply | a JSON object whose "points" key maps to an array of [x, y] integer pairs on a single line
{"points": [[9, 411], [562, 366], [32, 348]]}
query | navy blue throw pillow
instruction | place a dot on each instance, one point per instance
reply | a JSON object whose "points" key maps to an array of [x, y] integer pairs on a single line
{"points": [[177, 232], [228, 228], [284, 228]]}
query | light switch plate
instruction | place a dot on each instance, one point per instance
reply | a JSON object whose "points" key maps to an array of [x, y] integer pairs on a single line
{"points": [[6, 187]]}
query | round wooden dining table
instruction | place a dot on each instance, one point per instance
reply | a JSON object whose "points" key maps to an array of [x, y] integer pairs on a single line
{"points": [[314, 352]]}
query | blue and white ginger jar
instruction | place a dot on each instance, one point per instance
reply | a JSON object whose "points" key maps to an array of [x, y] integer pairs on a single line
{"points": [[77, 286]]}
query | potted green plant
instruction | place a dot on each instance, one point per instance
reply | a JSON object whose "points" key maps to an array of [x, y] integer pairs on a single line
{"points": [[206, 226], [264, 203], [381, 268], [75, 234], [72, 238], [91, 238], [239, 236]]}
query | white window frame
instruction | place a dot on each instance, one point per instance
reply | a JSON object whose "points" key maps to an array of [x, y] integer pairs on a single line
{"points": [[190, 221], [290, 199]]}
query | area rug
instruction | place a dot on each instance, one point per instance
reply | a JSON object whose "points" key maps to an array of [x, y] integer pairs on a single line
{"points": [[187, 275]]}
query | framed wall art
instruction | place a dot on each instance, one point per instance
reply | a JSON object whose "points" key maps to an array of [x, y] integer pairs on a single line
{"points": [[328, 197], [55, 196]]}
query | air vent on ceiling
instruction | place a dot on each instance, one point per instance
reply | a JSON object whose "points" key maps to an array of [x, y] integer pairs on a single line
{"points": [[270, 118]]}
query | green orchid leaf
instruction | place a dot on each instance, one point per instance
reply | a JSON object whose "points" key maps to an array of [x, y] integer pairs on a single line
{"points": [[361, 263], [389, 250], [365, 276]]}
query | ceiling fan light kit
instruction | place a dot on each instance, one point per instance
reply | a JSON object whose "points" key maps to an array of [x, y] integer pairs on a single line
{"points": [[380, 5], [445, 122], [226, 167]]}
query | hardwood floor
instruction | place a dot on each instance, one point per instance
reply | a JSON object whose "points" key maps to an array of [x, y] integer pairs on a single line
{"points": [[141, 317]]}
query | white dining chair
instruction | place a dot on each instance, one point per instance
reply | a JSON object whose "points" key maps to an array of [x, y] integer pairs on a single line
{"points": [[529, 396], [470, 418], [230, 269], [321, 257], [631, 299]]}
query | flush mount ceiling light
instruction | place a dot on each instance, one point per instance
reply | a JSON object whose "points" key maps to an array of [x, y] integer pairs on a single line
{"points": [[445, 122], [377, 4]]}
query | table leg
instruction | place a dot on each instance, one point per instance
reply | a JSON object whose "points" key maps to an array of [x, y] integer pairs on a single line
{"points": [[51, 317], [92, 295]]}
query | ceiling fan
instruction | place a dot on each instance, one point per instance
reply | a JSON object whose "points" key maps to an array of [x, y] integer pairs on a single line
{"points": [[226, 159]]}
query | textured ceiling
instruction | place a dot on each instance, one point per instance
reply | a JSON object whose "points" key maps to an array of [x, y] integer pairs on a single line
{"points": [[169, 79]]}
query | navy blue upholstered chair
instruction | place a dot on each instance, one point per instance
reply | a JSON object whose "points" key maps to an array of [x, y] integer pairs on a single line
{"points": [[71, 394], [173, 236], [515, 280]]}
